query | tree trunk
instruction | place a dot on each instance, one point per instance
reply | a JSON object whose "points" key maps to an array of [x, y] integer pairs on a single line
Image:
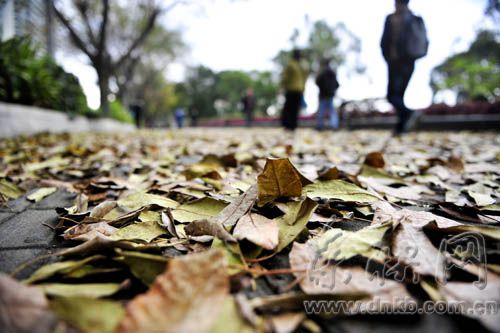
{"points": [[103, 79]]}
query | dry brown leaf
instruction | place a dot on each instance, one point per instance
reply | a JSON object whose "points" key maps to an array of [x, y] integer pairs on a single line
{"points": [[103, 208], [258, 230], [322, 278], [416, 218], [188, 297], [210, 228], [87, 231], [469, 295], [24, 309], [330, 174], [167, 221], [239, 207], [279, 179], [412, 247], [375, 159], [456, 164]]}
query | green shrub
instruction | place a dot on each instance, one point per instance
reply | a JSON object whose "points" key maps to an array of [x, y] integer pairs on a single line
{"points": [[120, 113], [31, 79]]}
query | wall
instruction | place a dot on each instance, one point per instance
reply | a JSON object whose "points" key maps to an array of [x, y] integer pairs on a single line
{"points": [[26, 120]]}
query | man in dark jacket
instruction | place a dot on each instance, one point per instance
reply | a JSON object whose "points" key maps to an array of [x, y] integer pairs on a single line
{"points": [[400, 66], [248, 102], [328, 85]]}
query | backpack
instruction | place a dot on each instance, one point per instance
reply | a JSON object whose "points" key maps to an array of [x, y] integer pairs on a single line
{"points": [[414, 41]]}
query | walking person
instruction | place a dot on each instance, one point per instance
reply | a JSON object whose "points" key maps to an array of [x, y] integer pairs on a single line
{"points": [[179, 116], [328, 85], [248, 102], [293, 81], [403, 42]]}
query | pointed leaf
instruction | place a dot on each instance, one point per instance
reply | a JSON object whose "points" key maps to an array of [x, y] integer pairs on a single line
{"points": [[279, 179]]}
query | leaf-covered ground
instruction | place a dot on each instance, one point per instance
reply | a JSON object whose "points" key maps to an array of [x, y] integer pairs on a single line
{"points": [[212, 230]]}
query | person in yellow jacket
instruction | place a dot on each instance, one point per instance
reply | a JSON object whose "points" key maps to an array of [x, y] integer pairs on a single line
{"points": [[293, 82]]}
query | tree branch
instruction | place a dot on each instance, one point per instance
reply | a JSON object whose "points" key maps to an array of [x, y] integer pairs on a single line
{"points": [[140, 39], [72, 32], [82, 7]]}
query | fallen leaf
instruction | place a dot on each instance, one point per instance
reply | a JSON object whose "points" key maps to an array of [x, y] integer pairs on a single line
{"points": [[412, 247], [230, 215], [295, 301], [141, 199], [279, 179], [481, 199], [330, 174], [340, 190], [188, 297], [322, 278], [420, 219], [468, 295], [41, 193], [404, 192], [86, 231], [91, 290], [209, 227], [258, 230], [381, 176], [144, 266], [338, 244], [167, 221], [143, 231], [63, 267], [102, 209], [375, 160], [287, 322], [492, 232], [230, 320], [89, 270], [204, 208], [9, 189], [292, 223], [24, 309], [88, 314]]}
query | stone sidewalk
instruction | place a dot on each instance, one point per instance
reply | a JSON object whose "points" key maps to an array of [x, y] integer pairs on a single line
{"points": [[26, 231]]}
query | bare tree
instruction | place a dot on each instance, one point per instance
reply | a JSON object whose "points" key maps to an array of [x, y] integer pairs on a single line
{"points": [[90, 27]]}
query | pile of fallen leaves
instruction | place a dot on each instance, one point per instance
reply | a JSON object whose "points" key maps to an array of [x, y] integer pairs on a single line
{"points": [[233, 230]]}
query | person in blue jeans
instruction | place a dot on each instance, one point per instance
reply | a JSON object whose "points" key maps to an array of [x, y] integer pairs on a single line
{"points": [[328, 85]]}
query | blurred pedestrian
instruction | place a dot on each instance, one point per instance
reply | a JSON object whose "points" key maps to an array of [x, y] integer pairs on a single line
{"points": [[293, 81], [328, 85], [193, 113], [404, 40], [248, 102], [137, 113], [179, 117]]}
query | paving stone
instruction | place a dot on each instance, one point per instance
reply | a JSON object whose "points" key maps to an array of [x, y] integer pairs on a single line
{"points": [[60, 198], [5, 216], [26, 229], [11, 259], [17, 205]]}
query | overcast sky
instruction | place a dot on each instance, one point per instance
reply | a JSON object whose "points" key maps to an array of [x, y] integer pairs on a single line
{"points": [[247, 34]]}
